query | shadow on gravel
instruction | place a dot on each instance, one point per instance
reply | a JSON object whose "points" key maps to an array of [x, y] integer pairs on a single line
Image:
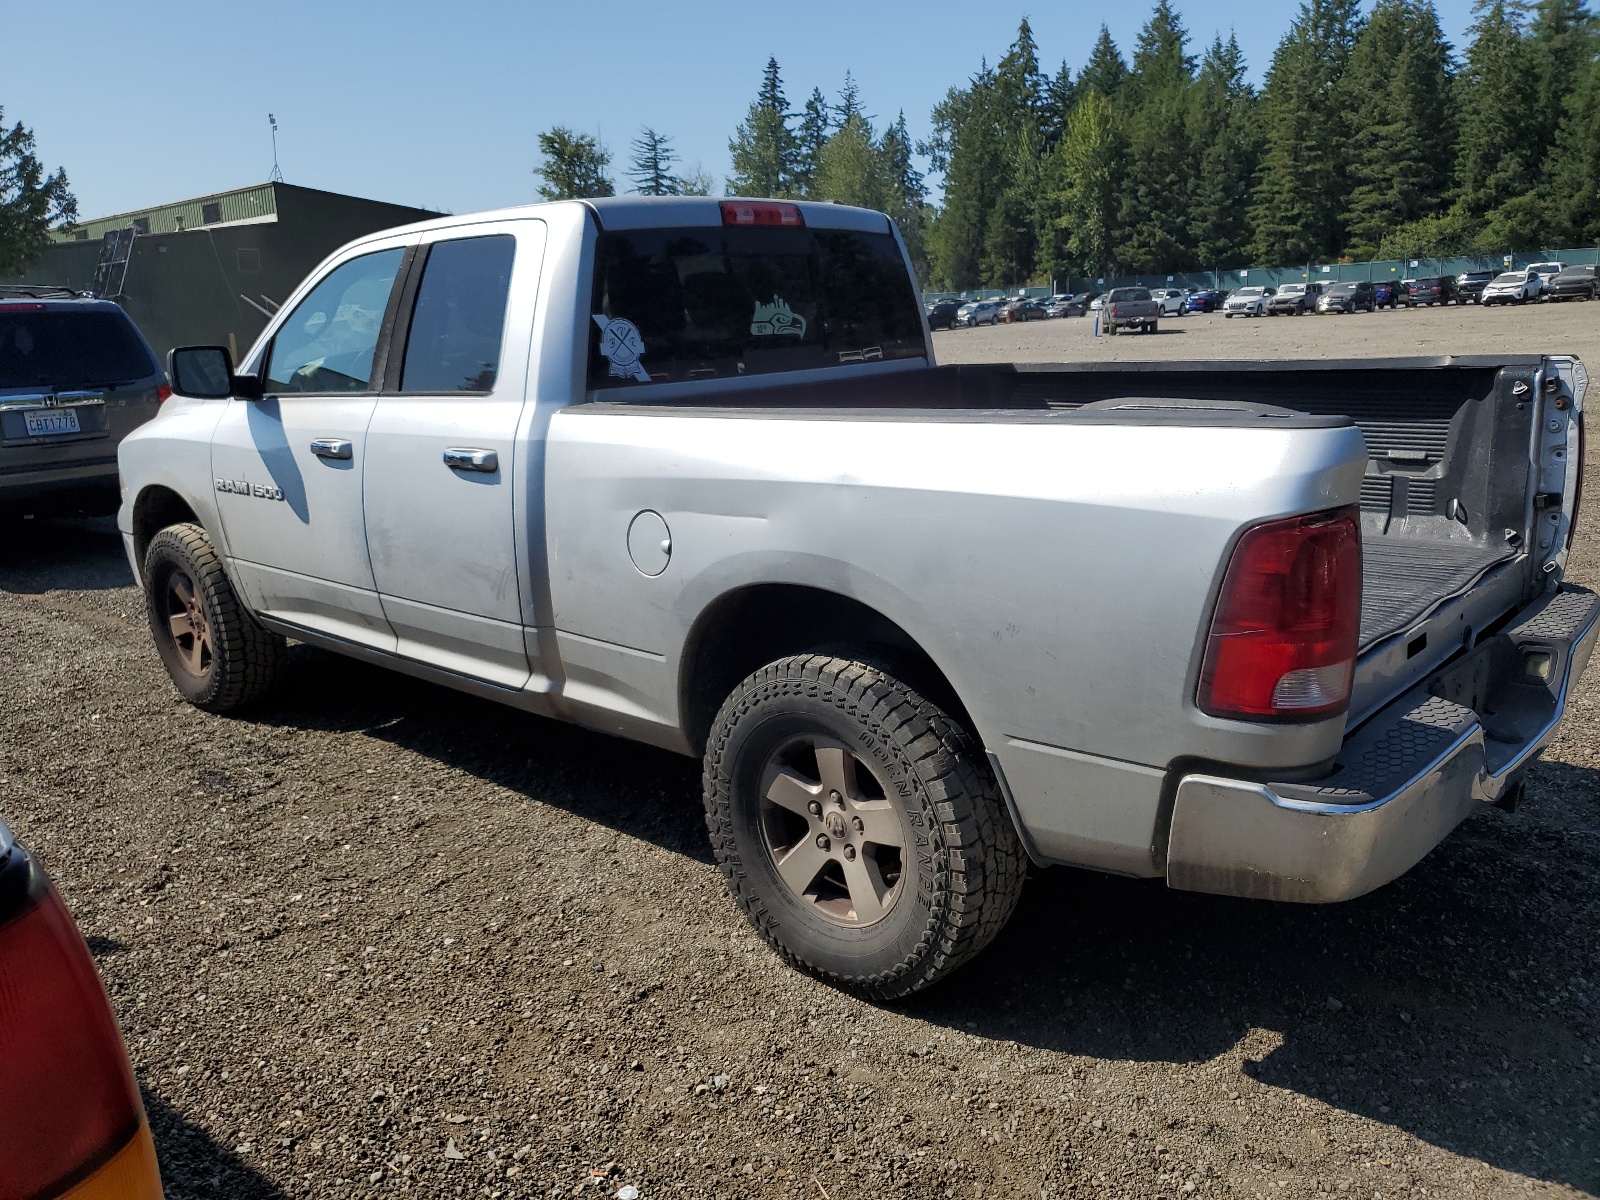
{"points": [[61, 555], [633, 789], [1450, 1004], [194, 1164]]}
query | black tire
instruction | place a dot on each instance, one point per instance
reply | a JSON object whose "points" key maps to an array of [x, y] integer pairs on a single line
{"points": [[243, 660], [964, 866]]}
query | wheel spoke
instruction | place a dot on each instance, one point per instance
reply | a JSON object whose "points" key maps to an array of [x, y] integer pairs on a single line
{"points": [[866, 888], [881, 824], [183, 590], [180, 625], [838, 768], [789, 791], [801, 865]]}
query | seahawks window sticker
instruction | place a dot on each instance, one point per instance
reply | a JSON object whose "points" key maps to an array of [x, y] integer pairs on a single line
{"points": [[622, 347], [776, 318]]}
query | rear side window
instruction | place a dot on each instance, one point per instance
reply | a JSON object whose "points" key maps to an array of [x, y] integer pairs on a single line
{"points": [[459, 317], [55, 348], [723, 303], [329, 340]]}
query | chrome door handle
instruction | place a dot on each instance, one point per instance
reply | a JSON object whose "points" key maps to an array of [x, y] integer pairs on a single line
{"points": [[332, 448], [461, 458]]}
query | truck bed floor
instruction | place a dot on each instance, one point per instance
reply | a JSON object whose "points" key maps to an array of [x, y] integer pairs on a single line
{"points": [[1403, 578]]}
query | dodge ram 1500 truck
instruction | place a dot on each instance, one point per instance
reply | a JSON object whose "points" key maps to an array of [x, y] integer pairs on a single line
{"points": [[685, 470]]}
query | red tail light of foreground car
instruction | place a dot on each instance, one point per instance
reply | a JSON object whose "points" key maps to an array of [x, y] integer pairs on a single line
{"points": [[71, 1124]]}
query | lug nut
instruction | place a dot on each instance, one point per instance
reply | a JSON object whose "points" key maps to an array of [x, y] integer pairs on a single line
{"points": [[849, 852], [823, 843], [861, 826], [816, 808], [835, 797]]}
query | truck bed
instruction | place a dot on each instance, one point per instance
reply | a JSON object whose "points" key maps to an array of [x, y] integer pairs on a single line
{"points": [[1402, 579]]}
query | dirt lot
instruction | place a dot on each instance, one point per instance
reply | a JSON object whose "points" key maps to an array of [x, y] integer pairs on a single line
{"points": [[379, 937]]}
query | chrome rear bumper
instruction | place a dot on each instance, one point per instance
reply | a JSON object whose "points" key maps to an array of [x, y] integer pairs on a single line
{"points": [[1402, 781]]}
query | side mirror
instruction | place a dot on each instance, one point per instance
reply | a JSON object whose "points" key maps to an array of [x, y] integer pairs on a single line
{"points": [[206, 373]]}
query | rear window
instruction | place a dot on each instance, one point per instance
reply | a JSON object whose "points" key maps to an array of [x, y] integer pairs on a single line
{"points": [[56, 348], [672, 305], [1130, 294]]}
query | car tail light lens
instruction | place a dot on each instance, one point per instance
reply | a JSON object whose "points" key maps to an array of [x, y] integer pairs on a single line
{"points": [[162, 393], [762, 212], [8, 308], [1283, 641], [68, 1104]]}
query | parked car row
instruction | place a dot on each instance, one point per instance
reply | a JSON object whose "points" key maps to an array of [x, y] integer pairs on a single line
{"points": [[1548, 281]]}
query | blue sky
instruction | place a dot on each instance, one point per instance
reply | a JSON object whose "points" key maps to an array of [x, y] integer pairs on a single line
{"points": [[439, 105]]}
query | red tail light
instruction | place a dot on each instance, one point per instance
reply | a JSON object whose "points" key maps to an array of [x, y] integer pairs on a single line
{"points": [[1283, 641], [68, 1104], [162, 393], [762, 212], [5, 308]]}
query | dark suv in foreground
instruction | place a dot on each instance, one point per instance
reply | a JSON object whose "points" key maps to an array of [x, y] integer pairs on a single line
{"points": [[1435, 289], [76, 376], [1470, 285]]}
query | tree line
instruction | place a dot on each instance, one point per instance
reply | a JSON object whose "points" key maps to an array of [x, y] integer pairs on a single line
{"points": [[1371, 137]]}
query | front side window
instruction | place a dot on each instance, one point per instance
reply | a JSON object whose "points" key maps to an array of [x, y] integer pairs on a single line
{"points": [[727, 302], [328, 342], [460, 315]]}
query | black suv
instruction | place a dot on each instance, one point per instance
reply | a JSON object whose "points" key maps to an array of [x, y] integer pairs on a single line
{"points": [[76, 376], [1436, 289], [1573, 283], [942, 314], [1470, 285]]}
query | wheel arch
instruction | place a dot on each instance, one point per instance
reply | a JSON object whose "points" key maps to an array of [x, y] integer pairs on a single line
{"points": [[756, 624], [154, 509]]}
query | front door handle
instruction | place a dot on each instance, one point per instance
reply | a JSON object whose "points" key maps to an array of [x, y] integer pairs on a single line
{"points": [[461, 458], [332, 448]]}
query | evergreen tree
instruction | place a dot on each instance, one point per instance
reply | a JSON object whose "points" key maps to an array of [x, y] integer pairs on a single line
{"points": [[1226, 135], [31, 202], [1302, 181], [575, 166], [763, 148], [1105, 70], [653, 160], [906, 193], [849, 102], [1060, 93], [848, 169], [1574, 207], [698, 181], [1154, 104], [966, 145], [1561, 43], [816, 123], [1497, 157], [1083, 175], [1398, 82]]}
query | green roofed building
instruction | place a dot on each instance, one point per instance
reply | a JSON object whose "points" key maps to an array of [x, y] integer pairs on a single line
{"points": [[210, 271]]}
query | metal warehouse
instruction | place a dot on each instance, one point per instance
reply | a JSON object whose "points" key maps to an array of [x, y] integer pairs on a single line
{"points": [[211, 270]]}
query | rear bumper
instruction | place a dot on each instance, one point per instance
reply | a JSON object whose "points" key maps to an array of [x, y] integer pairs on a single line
{"points": [[1401, 782], [60, 487]]}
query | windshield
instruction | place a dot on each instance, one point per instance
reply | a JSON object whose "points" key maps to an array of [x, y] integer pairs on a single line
{"points": [[1292, 289], [1247, 293], [1342, 288], [57, 348], [671, 305], [1512, 277]]}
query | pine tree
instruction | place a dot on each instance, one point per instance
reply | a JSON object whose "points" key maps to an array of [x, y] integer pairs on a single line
{"points": [[1398, 82], [1302, 181], [1497, 157], [906, 193], [763, 148], [816, 123], [1227, 136], [575, 166], [848, 169], [1574, 185], [653, 160], [1561, 43], [849, 102], [1154, 107], [31, 202], [966, 145], [1083, 181], [1059, 96], [1105, 70]]}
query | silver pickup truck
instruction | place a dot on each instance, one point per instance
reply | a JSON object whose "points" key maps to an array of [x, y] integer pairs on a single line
{"points": [[685, 471]]}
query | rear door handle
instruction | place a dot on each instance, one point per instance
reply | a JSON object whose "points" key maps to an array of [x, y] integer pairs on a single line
{"points": [[461, 458], [332, 448]]}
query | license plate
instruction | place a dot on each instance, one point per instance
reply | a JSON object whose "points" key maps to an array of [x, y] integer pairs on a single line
{"points": [[51, 421]]}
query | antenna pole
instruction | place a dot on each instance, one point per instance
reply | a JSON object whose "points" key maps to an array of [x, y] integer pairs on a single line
{"points": [[277, 175]]}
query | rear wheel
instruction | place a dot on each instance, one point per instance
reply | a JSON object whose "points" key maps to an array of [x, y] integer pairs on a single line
{"points": [[857, 825], [216, 654]]}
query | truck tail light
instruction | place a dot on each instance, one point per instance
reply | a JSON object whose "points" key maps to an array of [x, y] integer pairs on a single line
{"points": [[70, 1115], [1283, 641], [762, 212]]}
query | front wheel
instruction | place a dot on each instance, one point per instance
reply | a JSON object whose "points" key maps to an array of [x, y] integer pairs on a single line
{"points": [[858, 826], [216, 654]]}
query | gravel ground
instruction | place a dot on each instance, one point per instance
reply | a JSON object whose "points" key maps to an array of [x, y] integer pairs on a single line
{"points": [[379, 937]]}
